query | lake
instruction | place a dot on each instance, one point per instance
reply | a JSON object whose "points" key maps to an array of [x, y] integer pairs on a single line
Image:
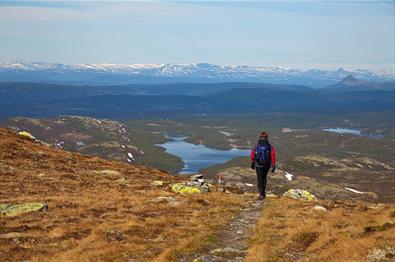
{"points": [[339, 130], [196, 157]]}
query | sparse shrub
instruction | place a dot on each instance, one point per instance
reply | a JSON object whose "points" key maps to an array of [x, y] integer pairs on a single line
{"points": [[303, 240], [383, 227]]}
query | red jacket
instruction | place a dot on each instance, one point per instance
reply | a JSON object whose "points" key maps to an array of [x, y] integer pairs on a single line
{"points": [[272, 155]]}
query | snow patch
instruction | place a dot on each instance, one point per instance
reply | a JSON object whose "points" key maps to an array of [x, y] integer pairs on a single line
{"points": [[227, 134], [354, 191], [288, 176], [131, 156]]}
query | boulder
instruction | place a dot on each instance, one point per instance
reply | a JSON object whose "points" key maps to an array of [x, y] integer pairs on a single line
{"points": [[300, 194], [15, 210]]}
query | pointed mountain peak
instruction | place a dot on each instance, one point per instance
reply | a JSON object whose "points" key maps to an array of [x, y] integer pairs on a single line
{"points": [[350, 81]]}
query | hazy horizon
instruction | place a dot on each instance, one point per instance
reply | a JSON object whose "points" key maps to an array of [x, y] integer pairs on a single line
{"points": [[295, 34]]}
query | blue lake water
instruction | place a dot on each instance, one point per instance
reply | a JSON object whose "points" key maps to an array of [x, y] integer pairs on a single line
{"points": [[339, 130], [196, 157]]}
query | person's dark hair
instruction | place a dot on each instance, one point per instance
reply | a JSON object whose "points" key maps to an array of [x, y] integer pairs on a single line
{"points": [[263, 135]]}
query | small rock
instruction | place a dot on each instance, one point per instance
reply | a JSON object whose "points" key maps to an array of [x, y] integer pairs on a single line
{"points": [[227, 252], [320, 208], [203, 202], [170, 200], [15, 210], [114, 235], [205, 188], [157, 183], [376, 206], [204, 258], [27, 135], [181, 188], [196, 177], [381, 254], [271, 195], [11, 235], [107, 172], [300, 194], [122, 181]]}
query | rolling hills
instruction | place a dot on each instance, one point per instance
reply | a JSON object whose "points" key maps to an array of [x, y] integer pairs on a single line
{"points": [[44, 100]]}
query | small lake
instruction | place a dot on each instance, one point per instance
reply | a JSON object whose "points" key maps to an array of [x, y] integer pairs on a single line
{"points": [[339, 130], [196, 157]]}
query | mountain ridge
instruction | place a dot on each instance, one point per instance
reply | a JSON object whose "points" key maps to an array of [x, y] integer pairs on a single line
{"points": [[106, 73]]}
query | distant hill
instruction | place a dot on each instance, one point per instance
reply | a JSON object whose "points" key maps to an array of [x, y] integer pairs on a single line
{"points": [[115, 74], [17, 92], [106, 102], [351, 83]]}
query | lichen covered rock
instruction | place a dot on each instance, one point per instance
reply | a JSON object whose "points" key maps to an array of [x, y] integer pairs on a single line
{"points": [[157, 183], [27, 135], [300, 194], [15, 210], [182, 188]]}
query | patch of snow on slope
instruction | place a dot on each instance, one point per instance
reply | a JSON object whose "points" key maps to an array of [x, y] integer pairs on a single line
{"points": [[131, 156], [288, 176], [354, 191]]}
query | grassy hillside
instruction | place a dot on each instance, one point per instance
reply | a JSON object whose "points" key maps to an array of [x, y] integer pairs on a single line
{"points": [[98, 209], [293, 230]]}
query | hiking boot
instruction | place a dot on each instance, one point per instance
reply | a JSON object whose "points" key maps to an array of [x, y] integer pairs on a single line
{"points": [[262, 197]]}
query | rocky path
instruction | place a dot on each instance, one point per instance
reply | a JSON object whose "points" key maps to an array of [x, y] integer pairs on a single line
{"points": [[232, 242]]}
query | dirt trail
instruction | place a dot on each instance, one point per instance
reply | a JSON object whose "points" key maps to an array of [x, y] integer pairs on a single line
{"points": [[233, 241]]}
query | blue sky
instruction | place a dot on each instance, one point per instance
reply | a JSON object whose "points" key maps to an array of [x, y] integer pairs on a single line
{"points": [[298, 34]]}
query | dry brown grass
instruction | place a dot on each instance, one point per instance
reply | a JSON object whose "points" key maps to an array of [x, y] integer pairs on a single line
{"points": [[94, 217], [290, 230]]}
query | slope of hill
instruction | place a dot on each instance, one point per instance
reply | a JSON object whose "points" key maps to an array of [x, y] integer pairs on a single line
{"points": [[97, 209], [105, 138], [109, 211]]}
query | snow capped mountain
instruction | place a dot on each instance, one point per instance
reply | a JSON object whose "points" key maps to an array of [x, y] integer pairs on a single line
{"points": [[104, 73]]}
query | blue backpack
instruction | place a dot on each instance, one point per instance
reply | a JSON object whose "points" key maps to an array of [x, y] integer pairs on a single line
{"points": [[262, 155]]}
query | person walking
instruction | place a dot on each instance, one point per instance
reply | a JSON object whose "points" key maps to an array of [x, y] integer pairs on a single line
{"points": [[263, 158]]}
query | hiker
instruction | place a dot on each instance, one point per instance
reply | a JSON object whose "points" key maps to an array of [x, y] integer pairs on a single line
{"points": [[263, 158]]}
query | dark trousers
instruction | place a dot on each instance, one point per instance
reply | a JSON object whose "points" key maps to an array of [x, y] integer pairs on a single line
{"points": [[261, 173]]}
